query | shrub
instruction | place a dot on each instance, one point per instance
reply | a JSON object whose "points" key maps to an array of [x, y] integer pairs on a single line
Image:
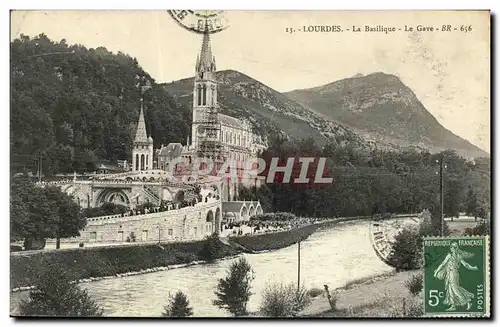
{"points": [[407, 247], [212, 248], [415, 283], [406, 250], [274, 216], [433, 229], [55, 295], [233, 292], [178, 306], [275, 240], [280, 300], [314, 292], [482, 228], [16, 248], [106, 261]]}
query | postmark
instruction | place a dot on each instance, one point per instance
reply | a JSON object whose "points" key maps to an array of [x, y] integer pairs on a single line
{"points": [[198, 20], [383, 231], [456, 276]]}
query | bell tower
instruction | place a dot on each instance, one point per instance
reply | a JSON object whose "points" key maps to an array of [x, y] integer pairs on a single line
{"points": [[142, 153], [205, 90]]}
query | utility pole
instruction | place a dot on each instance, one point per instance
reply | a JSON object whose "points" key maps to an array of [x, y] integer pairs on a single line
{"points": [[298, 268], [39, 166], [441, 194], [255, 188]]}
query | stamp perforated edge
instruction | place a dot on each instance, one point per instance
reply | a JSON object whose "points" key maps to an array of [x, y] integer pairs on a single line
{"points": [[487, 273]]}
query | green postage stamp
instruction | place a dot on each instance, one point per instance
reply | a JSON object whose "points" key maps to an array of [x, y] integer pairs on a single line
{"points": [[456, 276]]}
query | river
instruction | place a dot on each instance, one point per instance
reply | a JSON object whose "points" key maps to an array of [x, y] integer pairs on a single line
{"points": [[332, 256]]}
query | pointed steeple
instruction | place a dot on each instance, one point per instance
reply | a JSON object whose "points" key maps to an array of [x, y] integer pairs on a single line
{"points": [[206, 61], [141, 135]]}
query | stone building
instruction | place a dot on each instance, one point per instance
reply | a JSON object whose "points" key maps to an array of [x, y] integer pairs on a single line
{"points": [[236, 138], [149, 182], [187, 223]]}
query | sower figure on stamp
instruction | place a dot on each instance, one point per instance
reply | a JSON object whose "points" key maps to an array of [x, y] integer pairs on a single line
{"points": [[448, 270]]}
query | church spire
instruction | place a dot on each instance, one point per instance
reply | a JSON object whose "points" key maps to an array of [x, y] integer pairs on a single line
{"points": [[141, 135], [206, 61]]}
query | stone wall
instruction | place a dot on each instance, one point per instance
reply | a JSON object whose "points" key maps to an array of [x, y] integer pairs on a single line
{"points": [[188, 223]]}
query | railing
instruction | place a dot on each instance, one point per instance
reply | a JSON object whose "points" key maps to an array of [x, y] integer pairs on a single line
{"points": [[117, 181], [127, 217]]}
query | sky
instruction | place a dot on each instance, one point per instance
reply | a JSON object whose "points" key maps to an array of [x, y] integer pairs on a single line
{"points": [[448, 71]]}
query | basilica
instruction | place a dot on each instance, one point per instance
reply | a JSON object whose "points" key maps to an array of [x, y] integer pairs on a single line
{"points": [[234, 137], [178, 209]]}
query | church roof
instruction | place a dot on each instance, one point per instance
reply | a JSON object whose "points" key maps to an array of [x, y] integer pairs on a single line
{"points": [[172, 150], [140, 134], [230, 121], [232, 206]]}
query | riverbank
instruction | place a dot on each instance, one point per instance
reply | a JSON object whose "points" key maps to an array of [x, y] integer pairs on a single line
{"points": [[376, 296], [274, 241], [90, 264]]}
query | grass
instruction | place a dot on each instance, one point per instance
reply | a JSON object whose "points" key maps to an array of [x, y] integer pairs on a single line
{"points": [[274, 241], [386, 306], [106, 261], [368, 280], [89, 262], [364, 297]]}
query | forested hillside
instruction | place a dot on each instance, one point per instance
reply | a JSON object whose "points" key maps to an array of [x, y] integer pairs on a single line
{"points": [[377, 181], [75, 106]]}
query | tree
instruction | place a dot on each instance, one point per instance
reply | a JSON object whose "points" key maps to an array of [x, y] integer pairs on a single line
{"points": [[55, 295], [178, 306], [38, 213], [80, 105], [233, 292], [407, 249], [32, 217], [212, 248], [471, 204], [69, 216]]}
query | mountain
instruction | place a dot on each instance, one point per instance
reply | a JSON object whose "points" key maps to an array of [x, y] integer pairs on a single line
{"points": [[74, 106], [381, 108], [269, 111]]}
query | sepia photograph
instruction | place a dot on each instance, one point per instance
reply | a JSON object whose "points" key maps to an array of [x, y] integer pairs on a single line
{"points": [[250, 164]]}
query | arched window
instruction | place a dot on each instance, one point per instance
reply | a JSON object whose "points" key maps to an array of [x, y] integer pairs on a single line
{"points": [[239, 139], [136, 162], [147, 161], [142, 162], [198, 94], [204, 95], [234, 138], [227, 137]]}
